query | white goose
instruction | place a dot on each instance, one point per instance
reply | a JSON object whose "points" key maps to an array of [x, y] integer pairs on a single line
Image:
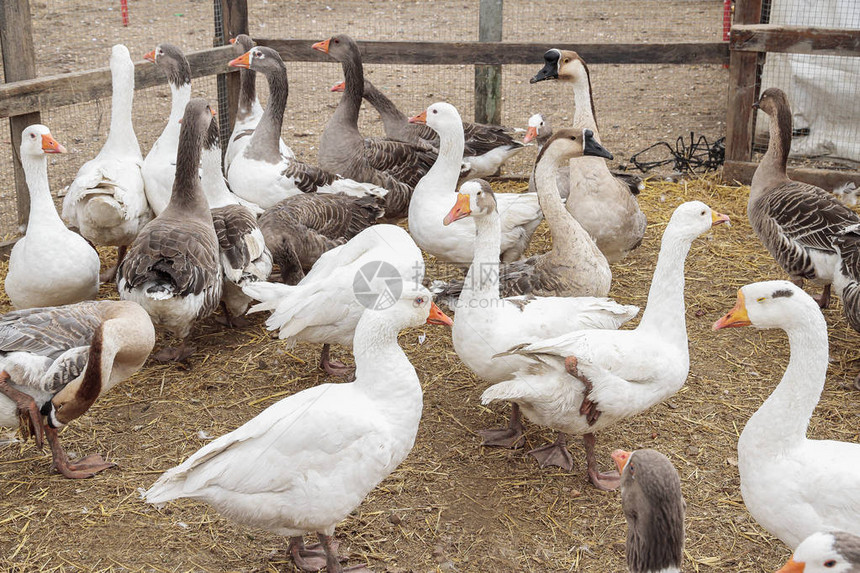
{"points": [[324, 306], [50, 265], [602, 203], [794, 486], [584, 381], [488, 324], [106, 201], [159, 166], [431, 200], [826, 552], [303, 464], [56, 362]]}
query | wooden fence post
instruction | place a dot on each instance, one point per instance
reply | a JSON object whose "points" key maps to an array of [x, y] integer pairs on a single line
{"points": [[488, 79], [19, 63], [743, 73], [232, 15]]}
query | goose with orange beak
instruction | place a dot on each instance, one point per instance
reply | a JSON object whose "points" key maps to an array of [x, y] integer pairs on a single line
{"points": [[826, 552], [791, 485], [50, 265]]}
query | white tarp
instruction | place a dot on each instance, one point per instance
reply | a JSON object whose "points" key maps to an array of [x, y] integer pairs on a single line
{"points": [[824, 91]]}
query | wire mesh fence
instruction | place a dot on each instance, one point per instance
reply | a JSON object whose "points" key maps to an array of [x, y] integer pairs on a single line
{"points": [[636, 105]]}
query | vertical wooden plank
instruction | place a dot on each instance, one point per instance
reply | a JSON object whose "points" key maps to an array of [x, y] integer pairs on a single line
{"points": [[19, 63], [231, 19], [743, 73], [488, 79]]}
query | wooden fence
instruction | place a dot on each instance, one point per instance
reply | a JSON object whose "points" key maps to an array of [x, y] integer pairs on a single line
{"points": [[24, 96]]}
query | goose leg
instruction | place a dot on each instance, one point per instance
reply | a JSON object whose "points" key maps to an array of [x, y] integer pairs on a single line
{"points": [[334, 367], [510, 437], [588, 408], [175, 353], [110, 274], [332, 561], [823, 299], [84, 468], [554, 454], [230, 321], [306, 558], [29, 418], [604, 481]]}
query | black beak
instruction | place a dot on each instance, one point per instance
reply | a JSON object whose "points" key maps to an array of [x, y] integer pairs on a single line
{"points": [[548, 72], [755, 105], [591, 146]]}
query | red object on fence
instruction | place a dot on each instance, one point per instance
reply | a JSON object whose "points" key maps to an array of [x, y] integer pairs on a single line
{"points": [[727, 19], [123, 7]]}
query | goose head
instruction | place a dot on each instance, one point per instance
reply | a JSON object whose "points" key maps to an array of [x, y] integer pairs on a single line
{"points": [[770, 304], [413, 307], [242, 43], [120, 60], [36, 141], [260, 59], [692, 219], [562, 65], [654, 509], [567, 143], [832, 552], [440, 116], [538, 128], [172, 62], [771, 101], [341, 47], [475, 199]]}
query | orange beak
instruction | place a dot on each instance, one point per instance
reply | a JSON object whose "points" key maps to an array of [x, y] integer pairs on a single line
{"points": [[531, 133], [718, 218], [736, 317], [232, 41], [51, 145], [213, 111], [438, 317], [420, 118], [322, 46], [149, 56], [460, 210], [793, 567], [243, 61], [622, 458], [339, 87]]}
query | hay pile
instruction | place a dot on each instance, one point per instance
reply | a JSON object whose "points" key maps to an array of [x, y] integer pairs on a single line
{"points": [[452, 506]]}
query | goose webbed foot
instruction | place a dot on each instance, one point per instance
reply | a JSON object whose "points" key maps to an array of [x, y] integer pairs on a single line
{"points": [[588, 408], [334, 367], [85, 467], [312, 557], [333, 560], [606, 481], [107, 276], [823, 299], [29, 417], [509, 437], [179, 353], [554, 454], [229, 320]]}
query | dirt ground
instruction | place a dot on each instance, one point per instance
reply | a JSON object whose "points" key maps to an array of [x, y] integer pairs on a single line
{"points": [[452, 505]]}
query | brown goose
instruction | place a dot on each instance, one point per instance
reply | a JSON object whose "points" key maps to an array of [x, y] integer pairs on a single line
{"points": [[173, 269], [846, 279], [56, 362], [301, 228], [486, 147], [574, 266], [825, 552], [654, 508], [601, 202], [248, 111], [795, 221], [261, 173], [394, 165]]}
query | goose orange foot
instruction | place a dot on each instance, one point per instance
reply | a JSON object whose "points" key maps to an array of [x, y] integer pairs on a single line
{"points": [[554, 454], [334, 367], [510, 437], [85, 467], [312, 557], [179, 353], [608, 481]]}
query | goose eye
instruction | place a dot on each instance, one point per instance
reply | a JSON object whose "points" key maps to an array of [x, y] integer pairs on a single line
{"points": [[702, 213], [831, 563], [566, 60], [32, 136], [761, 299], [419, 301], [336, 41], [434, 111]]}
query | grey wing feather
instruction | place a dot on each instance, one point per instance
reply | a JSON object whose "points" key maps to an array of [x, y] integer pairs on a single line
{"points": [[49, 331], [405, 162], [308, 178], [232, 223]]}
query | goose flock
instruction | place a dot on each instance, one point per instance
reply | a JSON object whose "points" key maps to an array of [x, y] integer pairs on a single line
{"points": [[320, 249]]}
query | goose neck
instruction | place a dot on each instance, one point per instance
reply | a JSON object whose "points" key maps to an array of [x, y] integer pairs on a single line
{"points": [[393, 120], [482, 279], [268, 132], [42, 208], [180, 96], [546, 186], [446, 168], [772, 168], [583, 114], [247, 92], [781, 422], [77, 397], [381, 366], [664, 310], [212, 179], [121, 127], [187, 193], [346, 113]]}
